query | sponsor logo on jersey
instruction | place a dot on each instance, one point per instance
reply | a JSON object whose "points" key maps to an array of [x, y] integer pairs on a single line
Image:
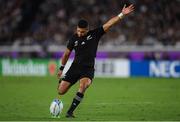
{"points": [[76, 43], [83, 43]]}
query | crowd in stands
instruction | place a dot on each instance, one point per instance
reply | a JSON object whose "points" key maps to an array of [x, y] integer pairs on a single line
{"points": [[52, 22]]}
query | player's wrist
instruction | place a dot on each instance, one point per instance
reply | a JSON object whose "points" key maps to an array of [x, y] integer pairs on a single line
{"points": [[62, 67], [121, 15]]}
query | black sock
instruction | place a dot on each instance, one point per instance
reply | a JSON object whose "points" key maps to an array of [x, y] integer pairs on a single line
{"points": [[77, 99]]}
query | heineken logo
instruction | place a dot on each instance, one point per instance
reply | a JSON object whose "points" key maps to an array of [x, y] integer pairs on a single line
{"points": [[29, 68], [52, 68]]}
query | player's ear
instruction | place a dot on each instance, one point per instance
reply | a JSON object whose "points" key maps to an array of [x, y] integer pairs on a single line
{"points": [[87, 29], [77, 28]]}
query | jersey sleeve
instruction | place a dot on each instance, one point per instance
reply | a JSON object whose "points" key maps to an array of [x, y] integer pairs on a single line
{"points": [[70, 44], [99, 31]]}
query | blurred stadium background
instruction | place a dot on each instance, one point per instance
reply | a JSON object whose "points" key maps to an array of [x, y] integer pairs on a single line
{"points": [[33, 36]]}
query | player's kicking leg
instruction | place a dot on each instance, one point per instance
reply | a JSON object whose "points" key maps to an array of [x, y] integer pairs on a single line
{"points": [[84, 84], [63, 87]]}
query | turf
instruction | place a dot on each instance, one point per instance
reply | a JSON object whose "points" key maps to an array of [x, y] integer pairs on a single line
{"points": [[112, 99]]}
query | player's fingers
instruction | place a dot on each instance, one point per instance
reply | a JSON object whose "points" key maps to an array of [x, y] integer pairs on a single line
{"points": [[131, 9], [59, 75], [124, 6], [131, 6]]}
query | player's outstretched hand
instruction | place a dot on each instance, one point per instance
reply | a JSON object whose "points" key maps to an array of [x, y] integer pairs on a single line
{"points": [[59, 74], [127, 10]]}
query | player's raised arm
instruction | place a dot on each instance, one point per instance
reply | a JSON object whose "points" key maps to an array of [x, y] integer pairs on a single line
{"points": [[125, 11], [64, 60]]}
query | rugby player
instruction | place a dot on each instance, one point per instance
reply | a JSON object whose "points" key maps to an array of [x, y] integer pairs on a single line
{"points": [[85, 43]]}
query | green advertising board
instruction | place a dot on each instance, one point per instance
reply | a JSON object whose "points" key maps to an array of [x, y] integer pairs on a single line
{"points": [[28, 67]]}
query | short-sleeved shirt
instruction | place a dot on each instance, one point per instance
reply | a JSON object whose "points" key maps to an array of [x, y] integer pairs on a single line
{"points": [[85, 47]]}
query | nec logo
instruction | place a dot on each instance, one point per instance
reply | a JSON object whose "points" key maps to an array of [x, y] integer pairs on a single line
{"points": [[165, 69]]}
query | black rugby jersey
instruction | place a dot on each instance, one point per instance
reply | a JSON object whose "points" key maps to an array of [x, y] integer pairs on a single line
{"points": [[85, 47]]}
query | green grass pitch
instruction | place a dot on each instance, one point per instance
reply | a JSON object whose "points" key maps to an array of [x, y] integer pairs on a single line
{"points": [[111, 99]]}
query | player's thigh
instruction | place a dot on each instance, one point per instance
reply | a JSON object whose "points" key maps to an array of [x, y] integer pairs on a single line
{"points": [[63, 87], [86, 77], [72, 75]]}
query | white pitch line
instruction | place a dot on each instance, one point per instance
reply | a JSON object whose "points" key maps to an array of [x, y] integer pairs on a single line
{"points": [[118, 103]]}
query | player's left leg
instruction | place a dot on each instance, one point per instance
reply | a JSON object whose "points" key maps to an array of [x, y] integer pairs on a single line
{"points": [[84, 84], [63, 87]]}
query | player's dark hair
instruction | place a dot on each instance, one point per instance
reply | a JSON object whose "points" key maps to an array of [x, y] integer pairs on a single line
{"points": [[83, 23]]}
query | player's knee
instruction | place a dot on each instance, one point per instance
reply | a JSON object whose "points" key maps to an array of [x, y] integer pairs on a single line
{"points": [[61, 92], [84, 86]]}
